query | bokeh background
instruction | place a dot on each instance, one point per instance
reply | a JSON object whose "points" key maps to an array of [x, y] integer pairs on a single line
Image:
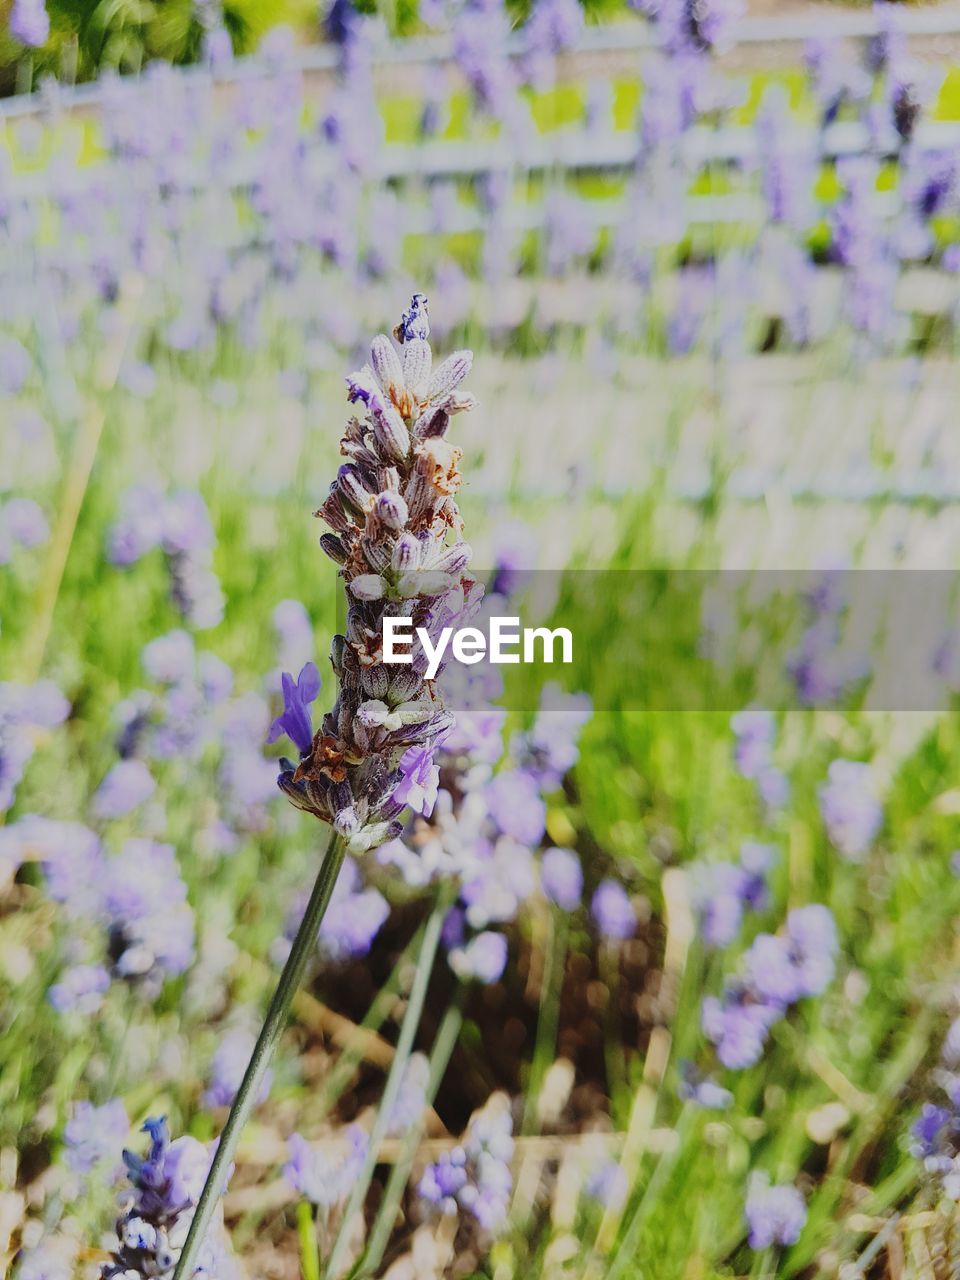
{"points": [[690, 1014]]}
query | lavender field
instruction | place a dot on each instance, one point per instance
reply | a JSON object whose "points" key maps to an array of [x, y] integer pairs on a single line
{"points": [[640, 967]]}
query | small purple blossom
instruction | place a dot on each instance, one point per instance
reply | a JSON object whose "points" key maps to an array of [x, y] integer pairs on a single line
{"points": [[607, 1184], [81, 989], [151, 1231], [324, 1172], [128, 784], [775, 1214], [561, 877], [417, 789], [23, 521], [516, 806], [227, 1066], [29, 22], [93, 1134], [738, 1025], [483, 958], [755, 732], [613, 912], [851, 811], [475, 1178], [295, 720]]}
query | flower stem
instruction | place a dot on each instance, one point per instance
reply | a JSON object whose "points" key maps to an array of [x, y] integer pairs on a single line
{"points": [[383, 1225], [545, 1046], [408, 1029], [307, 1231], [290, 979]]}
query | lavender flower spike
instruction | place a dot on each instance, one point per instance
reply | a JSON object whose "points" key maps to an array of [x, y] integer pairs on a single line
{"points": [[394, 493], [396, 533], [152, 1228]]}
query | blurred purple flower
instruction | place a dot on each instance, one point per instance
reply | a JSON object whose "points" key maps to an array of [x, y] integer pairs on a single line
{"points": [[516, 806], [775, 1214], [227, 1066], [324, 1172], [417, 788], [128, 784], [81, 989], [613, 912], [483, 958], [29, 22], [561, 877], [93, 1135], [850, 808]]}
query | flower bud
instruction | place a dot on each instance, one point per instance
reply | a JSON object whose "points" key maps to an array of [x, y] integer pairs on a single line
{"points": [[391, 510], [406, 553]]}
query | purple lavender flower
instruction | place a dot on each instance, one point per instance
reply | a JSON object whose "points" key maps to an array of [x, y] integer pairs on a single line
{"points": [[128, 784], [295, 720], [784, 970], [24, 708], [607, 1184], [324, 1172], [29, 22], [812, 934], [388, 509], [775, 1214], [170, 659], [185, 524], [738, 1025], [81, 989], [692, 26], [496, 878], [561, 877], [93, 1134], [483, 958], [152, 1229], [227, 1067], [516, 806], [71, 859], [851, 810], [755, 732], [613, 912], [703, 1090], [139, 527], [151, 929], [443, 1180], [475, 1178], [22, 520], [931, 1136], [354, 919], [52, 1259], [417, 788], [774, 788], [723, 890]]}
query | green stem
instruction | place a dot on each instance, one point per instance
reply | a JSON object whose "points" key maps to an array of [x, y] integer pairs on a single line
{"points": [[346, 1063], [545, 1045], [625, 1252], [382, 1228], [408, 1029], [290, 979], [307, 1231]]}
